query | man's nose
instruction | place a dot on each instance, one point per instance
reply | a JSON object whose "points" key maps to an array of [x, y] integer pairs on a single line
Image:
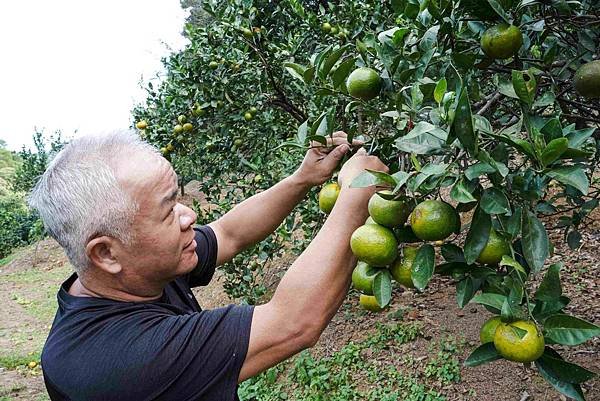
{"points": [[187, 217]]}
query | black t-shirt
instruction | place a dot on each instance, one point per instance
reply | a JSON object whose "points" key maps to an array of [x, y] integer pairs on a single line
{"points": [[168, 349]]}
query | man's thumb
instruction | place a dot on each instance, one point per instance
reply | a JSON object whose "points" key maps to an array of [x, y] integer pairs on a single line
{"points": [[337, 153]]}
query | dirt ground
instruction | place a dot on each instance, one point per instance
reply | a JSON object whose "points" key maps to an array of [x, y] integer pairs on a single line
{"points": [[28, 285]]}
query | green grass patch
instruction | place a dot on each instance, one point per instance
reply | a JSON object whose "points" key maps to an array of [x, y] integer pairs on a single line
{"points": [[14, 361], [354, 373]]}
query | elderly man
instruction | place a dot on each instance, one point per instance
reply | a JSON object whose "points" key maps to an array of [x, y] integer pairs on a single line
{"points": [[128, 326]]}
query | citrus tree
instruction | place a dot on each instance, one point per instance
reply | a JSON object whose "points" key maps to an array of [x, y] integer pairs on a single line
{"points": [[485, 112]]}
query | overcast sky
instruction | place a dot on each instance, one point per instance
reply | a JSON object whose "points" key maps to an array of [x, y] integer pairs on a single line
{"points": [[76, 65]]}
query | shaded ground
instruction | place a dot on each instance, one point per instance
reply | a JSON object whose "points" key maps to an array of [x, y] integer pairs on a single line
{"points": [[29, 281]]}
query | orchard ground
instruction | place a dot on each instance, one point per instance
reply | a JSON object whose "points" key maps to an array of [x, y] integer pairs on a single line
{"points": [[432, 361]]}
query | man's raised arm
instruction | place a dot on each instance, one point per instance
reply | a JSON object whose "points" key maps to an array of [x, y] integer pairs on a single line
{"points": [[315, 285], [254, 219]]}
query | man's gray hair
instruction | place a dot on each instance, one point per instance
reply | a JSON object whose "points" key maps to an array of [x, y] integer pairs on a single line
{"points": [[79, 197]]}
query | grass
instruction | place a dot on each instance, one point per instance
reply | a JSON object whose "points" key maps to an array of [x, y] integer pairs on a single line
{"points": [[370, 370], [15, 360]]}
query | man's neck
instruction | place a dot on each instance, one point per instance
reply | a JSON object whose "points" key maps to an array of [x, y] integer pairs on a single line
{"points": [[83, 288]]}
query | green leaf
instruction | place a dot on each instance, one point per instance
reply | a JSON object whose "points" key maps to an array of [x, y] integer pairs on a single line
{"points": [[478, 235], [382, 288], [302, 132], [483, 354], [295, 70], [342, 71], [452, 253], [550, 288], [490, 299], [461, 193], [571, 175], [569, 330], [464, 291], [493, 201], [462, 126], [440, 90], [554, 150], [330, 61], [401, 177], [563, 370], [512, 225], [314, 128], [309, 75], [569, 389], [535, 241], [525, 86], [509, 261], [423, 266], [545, 309], [499, 10], [478, 169], [510, 308], [369, 177]]}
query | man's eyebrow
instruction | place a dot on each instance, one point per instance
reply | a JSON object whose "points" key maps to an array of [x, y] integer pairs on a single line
{"points": [[169, 198]]}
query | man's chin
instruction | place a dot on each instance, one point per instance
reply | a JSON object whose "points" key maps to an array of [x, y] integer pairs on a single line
{"points": [[187, 263]]}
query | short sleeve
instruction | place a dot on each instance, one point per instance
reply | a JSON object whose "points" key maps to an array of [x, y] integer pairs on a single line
{"points": [[206, 249]]}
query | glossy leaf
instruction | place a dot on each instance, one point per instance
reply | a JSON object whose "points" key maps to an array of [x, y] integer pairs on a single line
{"points": [[460, 193], [563, 370], [478, 235], [464, 291], [569, 389], [483, 354], [423, 266], [525, 86], [462, 126], [493, 201], [535, 241], [550, 288], [342, 71], [569, 330], [382, 288], [554, 150], [490, 299], [571, 175], [440, 90]]}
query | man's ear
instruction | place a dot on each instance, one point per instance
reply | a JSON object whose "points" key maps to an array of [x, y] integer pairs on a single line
{"points": [[101, 251]]}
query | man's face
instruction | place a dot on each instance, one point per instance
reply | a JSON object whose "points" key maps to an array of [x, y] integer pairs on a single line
{"points": [[164, 246]]}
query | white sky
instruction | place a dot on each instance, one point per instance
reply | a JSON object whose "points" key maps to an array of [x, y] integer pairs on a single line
{"points": [[76, 65]]}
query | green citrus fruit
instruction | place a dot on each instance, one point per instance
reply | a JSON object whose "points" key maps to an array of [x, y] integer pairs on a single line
{"points": [[363, 276], [364, 83], [178, 129], [518, 348], [333, 30], [369, 303], [187, 127], [247, 33], [327, 197], [370, 220], [374, 244], [326, 27], [248, 116], [494, 249], [238, 142], [258, 178], [170, 147], [181, 119], [213, 65], [434, 220], [402, 268], [389, 213], [482, 9], [501, 41], [587, 80], [253, 110], [487, 331], [164, 151], [141, 124], [198, 112]]}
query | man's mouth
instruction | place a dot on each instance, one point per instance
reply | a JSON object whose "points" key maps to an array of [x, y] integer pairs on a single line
{"points": [[191, 244]]}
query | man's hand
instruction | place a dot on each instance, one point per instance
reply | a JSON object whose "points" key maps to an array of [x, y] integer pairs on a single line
{"points": [[357, 164], [320, 161]]}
